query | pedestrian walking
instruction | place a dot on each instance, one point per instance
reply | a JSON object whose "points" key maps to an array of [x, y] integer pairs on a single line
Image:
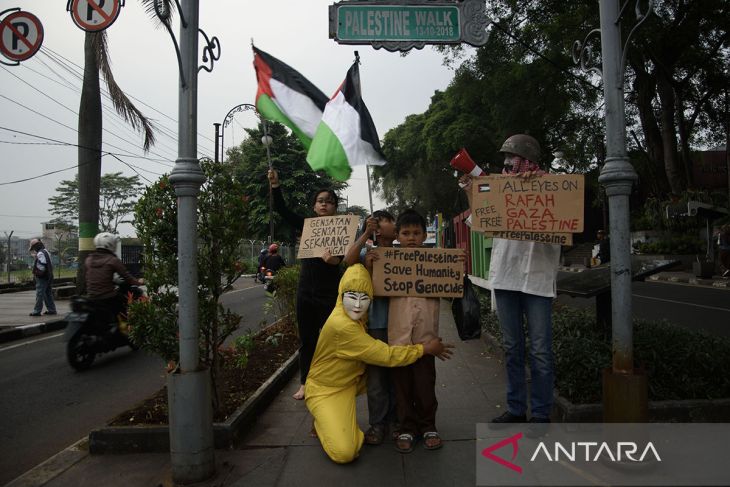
{"points": [[43, 276]]}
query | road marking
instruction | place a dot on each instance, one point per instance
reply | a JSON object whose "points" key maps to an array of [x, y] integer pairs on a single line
{"points": [[244, 289], [682, 302], [30, 342]]}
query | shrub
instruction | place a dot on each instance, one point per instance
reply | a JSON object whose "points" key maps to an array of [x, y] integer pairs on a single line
{"points": [[680, 363], [283, 304]]}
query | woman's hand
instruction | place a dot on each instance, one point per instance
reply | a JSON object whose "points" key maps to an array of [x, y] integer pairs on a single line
{"points": [[273, 178], [329, 258], [440, 350]]}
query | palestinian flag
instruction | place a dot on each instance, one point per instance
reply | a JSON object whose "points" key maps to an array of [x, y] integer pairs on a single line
{"points": [[285, 96], [346, 136]]}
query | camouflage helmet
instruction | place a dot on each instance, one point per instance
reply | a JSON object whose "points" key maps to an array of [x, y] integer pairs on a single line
{"points": [[524, 146]]}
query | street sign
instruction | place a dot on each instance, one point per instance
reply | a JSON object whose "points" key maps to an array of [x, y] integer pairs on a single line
{"points": [[400, 25], [21, 35], [94, 15]]}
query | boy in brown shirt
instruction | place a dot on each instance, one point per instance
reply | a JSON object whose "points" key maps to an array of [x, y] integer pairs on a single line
{"points": [[411, 321]]}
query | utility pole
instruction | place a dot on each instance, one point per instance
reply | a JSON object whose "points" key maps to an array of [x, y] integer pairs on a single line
{"points": [[7, 263], [624, 388], [189, 385]]}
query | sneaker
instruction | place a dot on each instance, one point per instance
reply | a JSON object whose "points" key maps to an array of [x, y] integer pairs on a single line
{"points": [[50, 313], [538, 427], [506, 419], [34, 314]]}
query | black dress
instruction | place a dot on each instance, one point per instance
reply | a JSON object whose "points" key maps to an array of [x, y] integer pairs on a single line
{"points": [[316, 292]]}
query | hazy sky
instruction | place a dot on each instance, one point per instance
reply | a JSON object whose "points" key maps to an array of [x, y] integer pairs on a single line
{"points": [[144, 64]]}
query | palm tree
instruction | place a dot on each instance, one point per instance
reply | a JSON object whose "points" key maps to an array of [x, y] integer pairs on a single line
{"points": [[96, 59]]}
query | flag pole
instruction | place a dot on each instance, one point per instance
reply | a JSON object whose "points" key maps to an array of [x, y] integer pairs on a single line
{"points": [[370, 193]]}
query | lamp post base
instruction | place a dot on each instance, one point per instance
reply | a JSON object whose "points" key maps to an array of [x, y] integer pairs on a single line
{"points": [[625, 396]]}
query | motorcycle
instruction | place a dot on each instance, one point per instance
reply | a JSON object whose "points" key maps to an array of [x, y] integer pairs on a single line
{"points": [[261, 275], [269, 286], [91, 331]]}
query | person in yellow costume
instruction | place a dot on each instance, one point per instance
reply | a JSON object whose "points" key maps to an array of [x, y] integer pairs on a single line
{"points": [[337, 374]]}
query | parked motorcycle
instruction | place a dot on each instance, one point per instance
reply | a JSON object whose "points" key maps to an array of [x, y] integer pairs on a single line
{"points": [[91, 331]]}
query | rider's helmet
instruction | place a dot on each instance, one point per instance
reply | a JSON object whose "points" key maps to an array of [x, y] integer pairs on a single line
{"points": [[107, 241], [273, 248], [524, 146]]}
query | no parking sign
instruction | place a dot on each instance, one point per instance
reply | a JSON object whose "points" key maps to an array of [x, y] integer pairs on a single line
{"points": [[94, 15], [21, 35]]}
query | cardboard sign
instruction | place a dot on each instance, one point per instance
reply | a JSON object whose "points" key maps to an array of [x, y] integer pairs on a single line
{"points": [[419, 272], [334, 233], [552, 203], [547, 238]]}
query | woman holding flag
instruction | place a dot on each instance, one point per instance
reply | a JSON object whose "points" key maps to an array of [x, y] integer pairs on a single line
{"points": [[318, 278]]}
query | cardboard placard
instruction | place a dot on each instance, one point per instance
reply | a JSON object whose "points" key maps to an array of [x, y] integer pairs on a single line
{"points": [[552, 203], [549, 238], [419, 272], [334, 233]]}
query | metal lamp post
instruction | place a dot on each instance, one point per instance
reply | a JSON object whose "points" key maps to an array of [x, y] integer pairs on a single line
{"points": [[189, 386], [624, 388], [266, 141]]}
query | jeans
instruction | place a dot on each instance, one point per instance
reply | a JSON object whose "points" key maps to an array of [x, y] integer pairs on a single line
{"points": [[43, 292], [512, 306], [381, 397]]}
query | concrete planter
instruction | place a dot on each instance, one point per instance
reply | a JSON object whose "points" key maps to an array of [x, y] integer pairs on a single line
{"points": [[146, 439], [682, 411]]}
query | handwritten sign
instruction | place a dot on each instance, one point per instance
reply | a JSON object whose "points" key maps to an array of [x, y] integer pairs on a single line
{"points": [[334, 233], [548, 204], [547, 238], [419, 272]]}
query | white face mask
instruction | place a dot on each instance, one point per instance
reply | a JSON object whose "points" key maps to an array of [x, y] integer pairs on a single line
{"points": [[355, 304]]}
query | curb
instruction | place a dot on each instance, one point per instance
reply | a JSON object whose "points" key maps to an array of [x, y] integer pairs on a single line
{"points": [[24, 331], [53, 467], [156, 439]]}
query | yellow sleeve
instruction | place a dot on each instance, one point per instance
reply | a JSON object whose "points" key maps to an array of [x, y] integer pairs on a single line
{"points": [[355, 344]]}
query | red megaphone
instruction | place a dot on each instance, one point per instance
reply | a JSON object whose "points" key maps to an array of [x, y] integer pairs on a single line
{"points": [[464, 163]]}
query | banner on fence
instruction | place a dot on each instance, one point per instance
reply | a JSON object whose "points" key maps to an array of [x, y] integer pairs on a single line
{"points": [[334, 233], [549, 204], [419, 272]]}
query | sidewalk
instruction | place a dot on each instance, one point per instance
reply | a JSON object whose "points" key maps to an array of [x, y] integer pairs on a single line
{"points": [[15, 322], [279, 452]]}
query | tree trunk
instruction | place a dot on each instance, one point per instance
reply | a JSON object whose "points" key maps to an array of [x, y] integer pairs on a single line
{"points": [[90, 138], [684, 131], [668, 131], [644, 87]]}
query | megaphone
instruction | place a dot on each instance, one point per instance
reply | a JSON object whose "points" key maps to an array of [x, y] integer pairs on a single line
{"points": [[464, 163]]}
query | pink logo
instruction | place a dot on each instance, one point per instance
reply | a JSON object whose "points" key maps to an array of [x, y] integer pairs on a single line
{"points": [[487, 452]]}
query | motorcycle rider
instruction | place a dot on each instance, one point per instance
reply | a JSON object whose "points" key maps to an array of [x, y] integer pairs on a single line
{"points": [[274, 261], [100, 268]]}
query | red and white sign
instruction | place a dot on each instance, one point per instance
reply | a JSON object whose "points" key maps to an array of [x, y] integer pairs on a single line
{"points": [[21, 35], [94, 15]]}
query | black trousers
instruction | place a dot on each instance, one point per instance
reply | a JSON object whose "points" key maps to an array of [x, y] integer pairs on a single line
{"points": [[415, 395], [312, 312]]}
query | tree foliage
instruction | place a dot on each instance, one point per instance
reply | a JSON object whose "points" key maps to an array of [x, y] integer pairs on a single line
{"points": [[221, 226], [116, 200], [298, 181], [524, 80]]}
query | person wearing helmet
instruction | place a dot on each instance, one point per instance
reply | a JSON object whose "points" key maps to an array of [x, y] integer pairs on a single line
{"points": [[522, 276], [274, 261], [43, 275], [100, 267]]}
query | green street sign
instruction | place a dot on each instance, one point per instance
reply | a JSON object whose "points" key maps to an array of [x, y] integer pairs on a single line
{"points": [[400, 25]]}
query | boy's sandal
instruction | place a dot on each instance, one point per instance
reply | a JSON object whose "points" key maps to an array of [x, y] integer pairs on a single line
{"points": [[404, 443], [431, 440], [375, 435]]}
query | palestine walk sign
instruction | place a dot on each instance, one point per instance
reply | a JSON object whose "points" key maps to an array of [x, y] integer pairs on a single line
{"points": [[401, 25]]}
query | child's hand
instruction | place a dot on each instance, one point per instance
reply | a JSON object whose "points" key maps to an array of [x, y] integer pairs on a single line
{"points": [[440, 350], [370, 257], [371, 226]]}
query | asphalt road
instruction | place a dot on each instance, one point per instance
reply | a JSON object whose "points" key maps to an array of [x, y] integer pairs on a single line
{"points": [[694, 307], [45, 406]]}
